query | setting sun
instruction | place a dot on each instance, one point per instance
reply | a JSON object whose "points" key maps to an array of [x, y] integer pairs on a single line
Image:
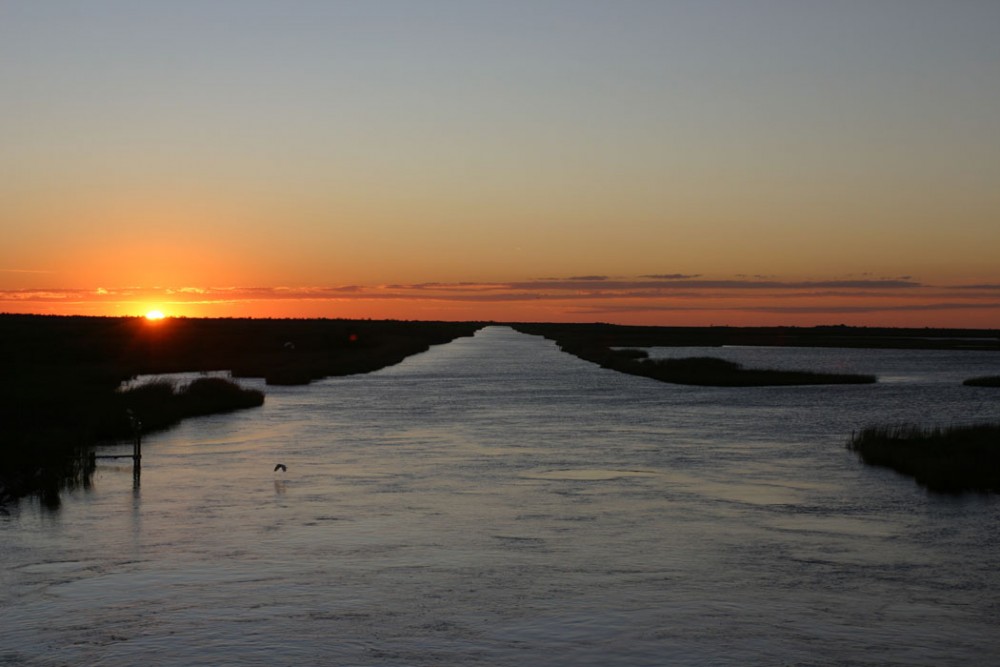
{"points": [[155, 315]]}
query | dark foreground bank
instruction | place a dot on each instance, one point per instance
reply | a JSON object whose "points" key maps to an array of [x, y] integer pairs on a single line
{"points": [[46, 460], [60, 378]]}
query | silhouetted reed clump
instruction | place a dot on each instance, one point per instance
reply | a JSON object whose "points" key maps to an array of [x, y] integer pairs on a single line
{"points": [[985, 381], [714, 372], [162, 404], [44, 467], [632, 353], [947, 460], [48, 423]]}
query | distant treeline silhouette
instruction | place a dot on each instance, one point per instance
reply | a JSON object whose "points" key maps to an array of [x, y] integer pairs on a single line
{"points": [[629, 336]]}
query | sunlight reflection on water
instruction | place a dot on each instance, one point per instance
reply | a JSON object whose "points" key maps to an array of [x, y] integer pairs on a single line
{"points": [[497, 502]]}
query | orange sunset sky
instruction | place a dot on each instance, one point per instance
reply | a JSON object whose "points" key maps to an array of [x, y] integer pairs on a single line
{"points": [[743, 162]]}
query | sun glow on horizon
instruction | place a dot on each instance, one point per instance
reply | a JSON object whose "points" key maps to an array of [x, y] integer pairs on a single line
{"points": [[725, 163]]}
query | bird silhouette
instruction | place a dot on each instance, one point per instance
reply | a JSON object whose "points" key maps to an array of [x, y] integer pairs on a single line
{"points": [[281, 466]]}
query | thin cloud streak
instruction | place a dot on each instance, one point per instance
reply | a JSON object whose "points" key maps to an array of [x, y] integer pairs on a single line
{"points": [[579, 297], [557, 290], [717, 284], [672, 276], [793, 310], [241, 294]]}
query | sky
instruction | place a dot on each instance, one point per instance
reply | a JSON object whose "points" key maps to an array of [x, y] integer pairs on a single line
{"points": [[679, 162]]}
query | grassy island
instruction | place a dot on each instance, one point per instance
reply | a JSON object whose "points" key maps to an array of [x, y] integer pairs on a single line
{"points": [[60, 378], [600, 346], [948, 460], [713, 372]]}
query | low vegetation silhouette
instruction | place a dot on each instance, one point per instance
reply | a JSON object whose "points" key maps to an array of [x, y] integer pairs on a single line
{"points": [[956, 459], [601, 344], [629, 336], [714, 372], [162, 404], [985, 381]]}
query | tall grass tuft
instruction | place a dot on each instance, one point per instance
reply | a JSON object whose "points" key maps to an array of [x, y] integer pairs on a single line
{"points": [[985, 381], [161, 404], [950, 460]]}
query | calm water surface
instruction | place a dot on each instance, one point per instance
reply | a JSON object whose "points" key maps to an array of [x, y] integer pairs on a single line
{"points": [[497, 502]]}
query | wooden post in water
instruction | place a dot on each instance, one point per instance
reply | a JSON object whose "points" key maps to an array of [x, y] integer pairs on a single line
{"points": [[136, 449], [137, 460], [136, 454]]}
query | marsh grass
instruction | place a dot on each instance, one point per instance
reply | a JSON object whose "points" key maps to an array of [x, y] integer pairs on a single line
{"points": [[705, 371], [949, 460], [985, 381], [162, 404], [714, 372]]}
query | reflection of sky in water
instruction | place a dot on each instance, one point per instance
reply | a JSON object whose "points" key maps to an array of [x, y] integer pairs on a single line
{"points": [[495, 501]]}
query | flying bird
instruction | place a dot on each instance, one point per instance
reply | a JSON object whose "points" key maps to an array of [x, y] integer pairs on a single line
{"points": [[281, 466]]}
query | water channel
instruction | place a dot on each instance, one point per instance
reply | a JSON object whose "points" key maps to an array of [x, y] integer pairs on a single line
{"points": [[495, 501]]}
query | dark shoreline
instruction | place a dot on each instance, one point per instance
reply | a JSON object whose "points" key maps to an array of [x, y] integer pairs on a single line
{"points": [[626, 336], [985, 381], [714, 372], [60, 375]]}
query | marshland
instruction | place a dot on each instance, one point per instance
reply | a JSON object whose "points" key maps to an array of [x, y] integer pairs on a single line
{"points": [[984, 381], [62, 387], [495, 500], [948, 459]]}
